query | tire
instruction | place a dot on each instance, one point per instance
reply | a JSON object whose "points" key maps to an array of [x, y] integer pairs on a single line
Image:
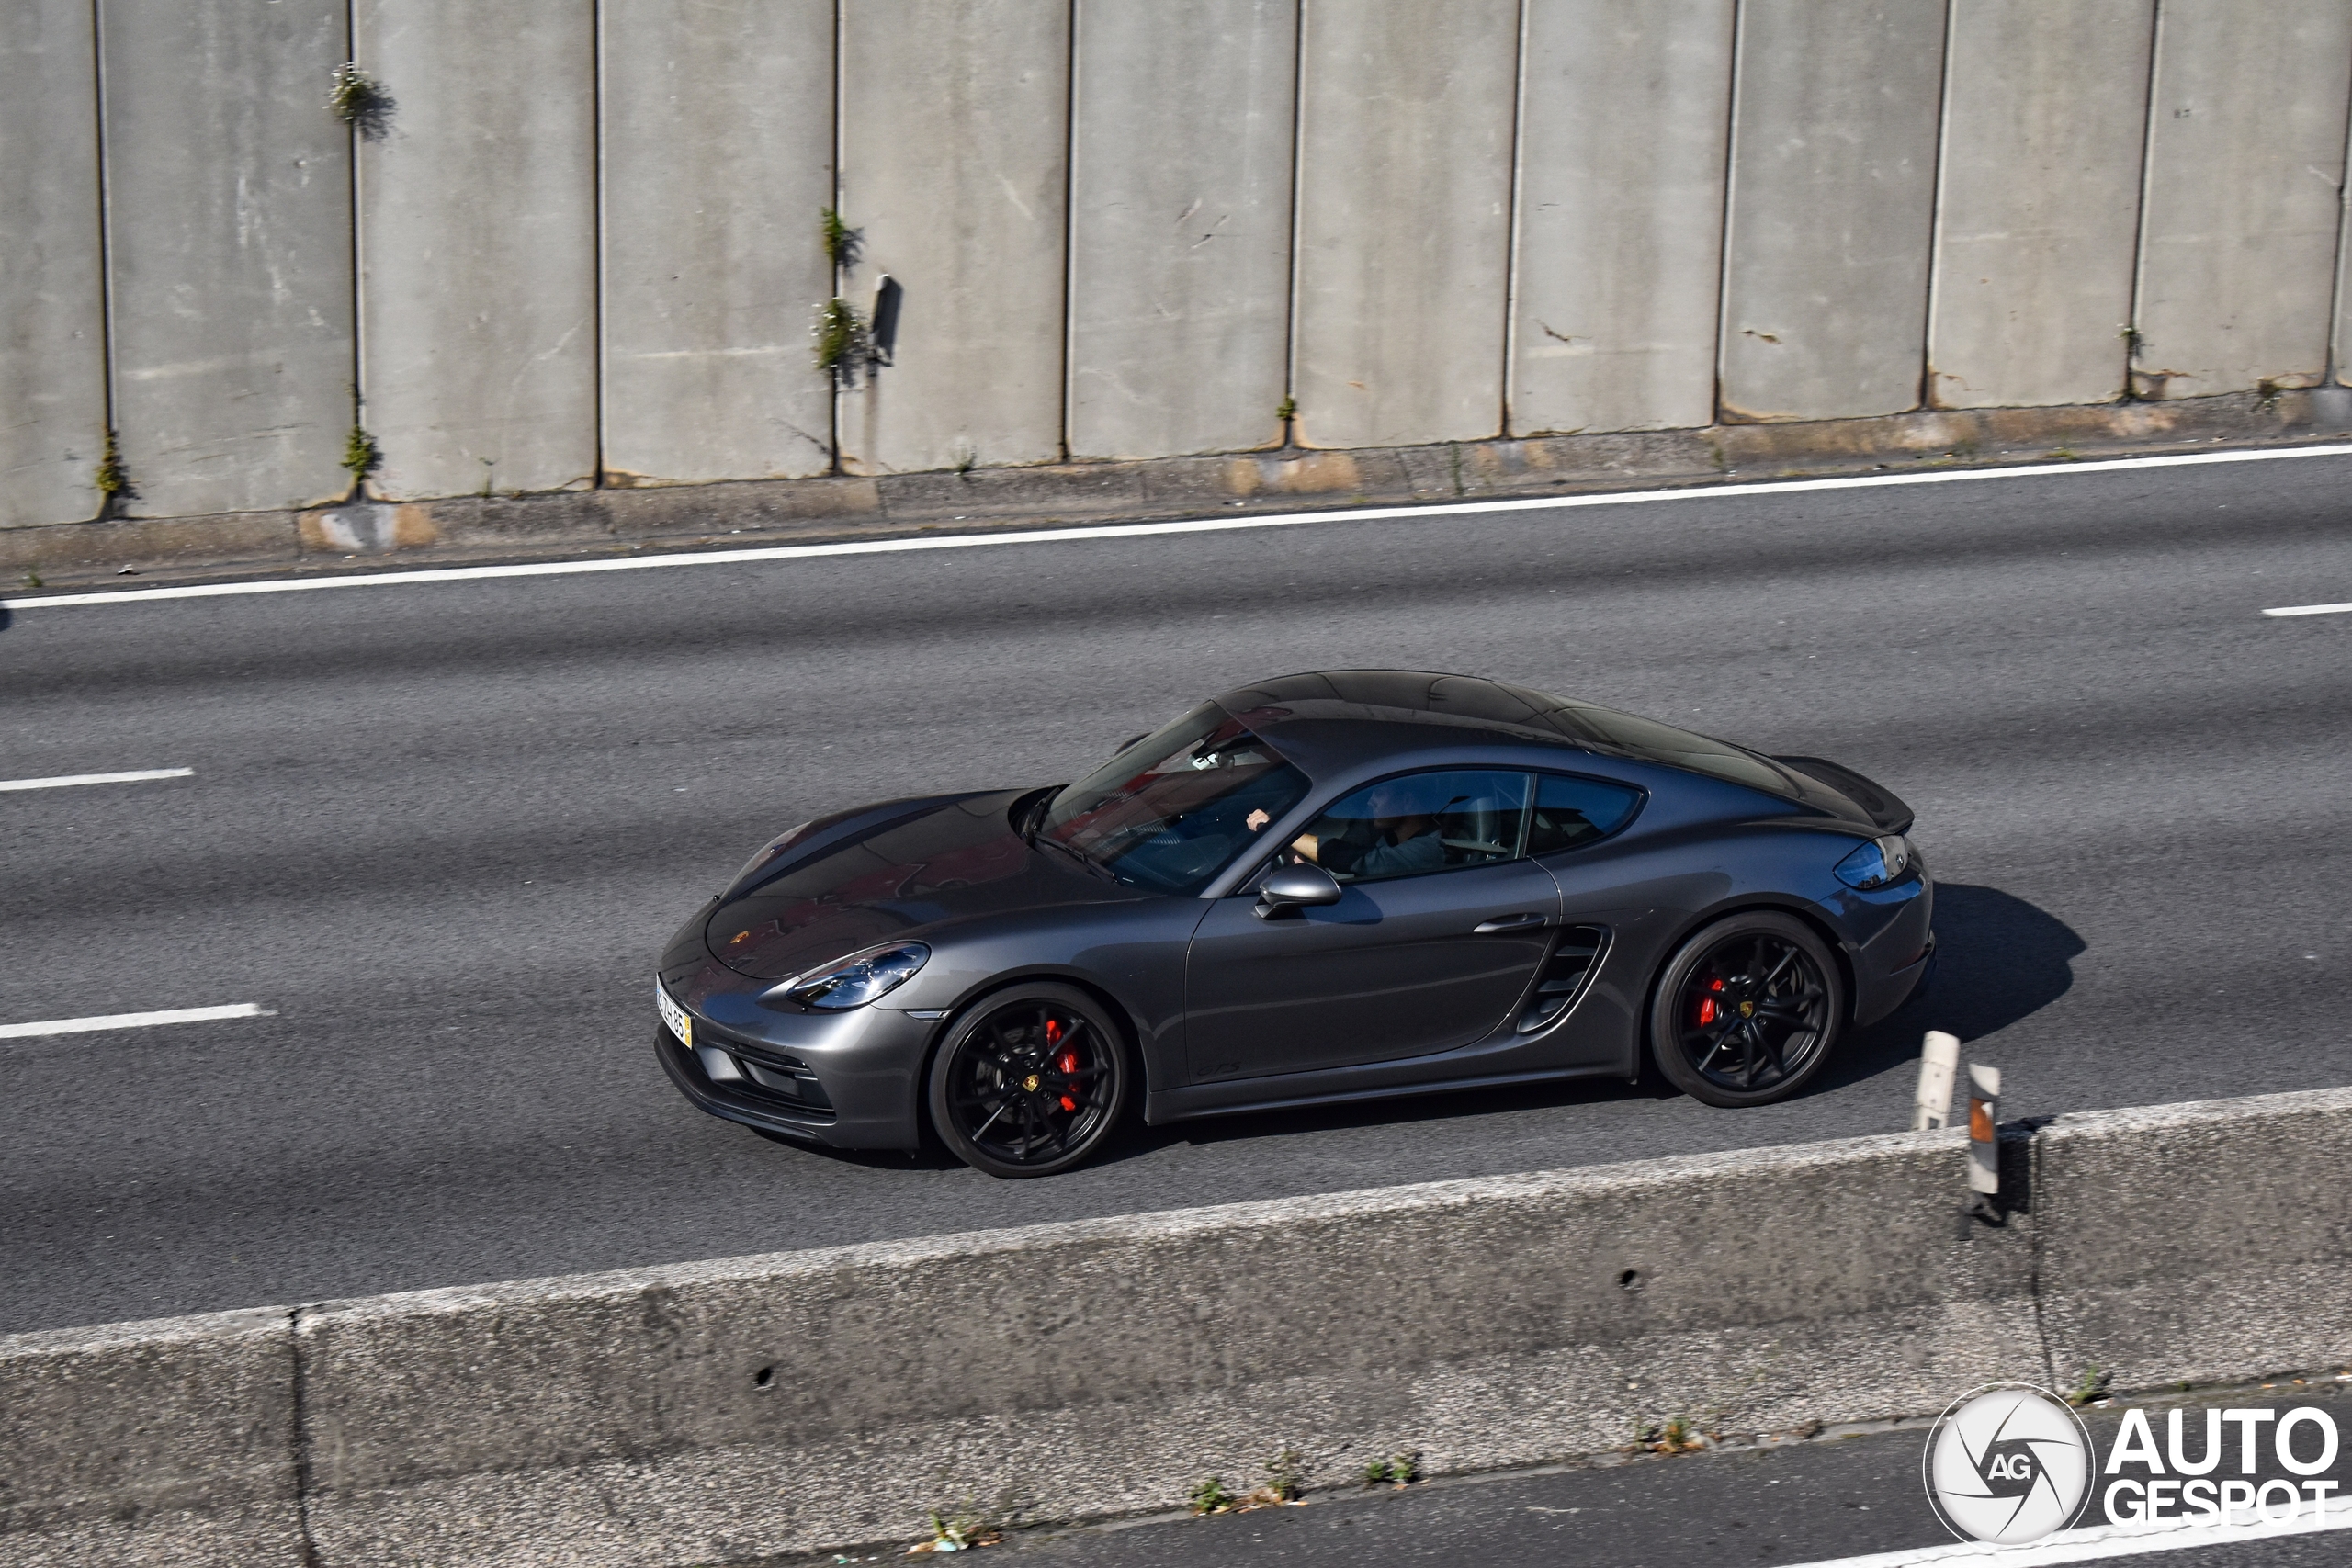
{"points": [[1030, 1082], [1748, 1010]]}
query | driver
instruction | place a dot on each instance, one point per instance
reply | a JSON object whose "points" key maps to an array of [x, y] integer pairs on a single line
{"points": [[1405, 839]]}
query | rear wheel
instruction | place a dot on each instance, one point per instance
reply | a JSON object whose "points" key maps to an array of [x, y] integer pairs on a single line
{"points": [[1748, 1010], [1030, 1082]]}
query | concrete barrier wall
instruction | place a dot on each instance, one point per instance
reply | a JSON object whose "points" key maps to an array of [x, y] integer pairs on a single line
{"points": [[478, 245], [717, 137], [955, 170], [2045, 117], [727, 1411], [1181, 154], [1124, 232], [1405, 130], [2244, 196], [1624, 123], [1833, 178], [232, 299], [52, 321]]}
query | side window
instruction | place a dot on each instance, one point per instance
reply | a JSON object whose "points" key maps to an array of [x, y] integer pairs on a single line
{"points": [[1421, 822], [1569, 812]]}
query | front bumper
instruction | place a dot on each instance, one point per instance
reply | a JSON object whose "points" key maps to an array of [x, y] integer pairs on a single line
{"points": [[847, 1080], [1894, 963]]}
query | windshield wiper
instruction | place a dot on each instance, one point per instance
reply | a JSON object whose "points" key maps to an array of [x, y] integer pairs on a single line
{"points": [[1081, 856]]}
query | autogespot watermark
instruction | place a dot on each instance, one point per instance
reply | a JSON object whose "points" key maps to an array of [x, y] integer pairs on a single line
{"points": [[2010, 1462], [2007, 1463]]}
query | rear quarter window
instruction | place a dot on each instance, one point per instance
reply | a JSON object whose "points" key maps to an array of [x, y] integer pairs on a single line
{"points": [[1573, 811]]}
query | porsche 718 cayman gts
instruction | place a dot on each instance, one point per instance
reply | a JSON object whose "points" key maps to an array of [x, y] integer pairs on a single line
{"points": [[1324, 887]]}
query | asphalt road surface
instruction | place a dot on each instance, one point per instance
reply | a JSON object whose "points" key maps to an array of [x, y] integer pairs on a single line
{"points": [[1848, 1493], [439, 831]]}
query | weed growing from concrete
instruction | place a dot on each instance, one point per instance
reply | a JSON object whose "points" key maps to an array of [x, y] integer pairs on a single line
{"points": [[2091, 1385], [2266, 394], [1285, 1475], [2062, 455], [360, 102], [1287, 409], [842, 341], [110, 476], [1211, 1497], [32, 580], [966, 459], [1675, 1435], [361, 455], [841, 241], [1398, 1469], [961, 1532]]}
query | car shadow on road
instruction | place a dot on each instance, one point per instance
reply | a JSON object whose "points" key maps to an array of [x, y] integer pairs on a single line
{"points": [[1998, 959]]}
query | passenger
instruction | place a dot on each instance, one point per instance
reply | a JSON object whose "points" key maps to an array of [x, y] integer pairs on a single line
{"points": [[1405, 839]]}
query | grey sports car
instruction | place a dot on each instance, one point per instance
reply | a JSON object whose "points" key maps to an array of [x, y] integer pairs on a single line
{"points": [[1325, 888]]}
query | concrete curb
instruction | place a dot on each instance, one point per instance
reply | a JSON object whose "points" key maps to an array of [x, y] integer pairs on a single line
{"points": [[572, 523], [728, 1411]]}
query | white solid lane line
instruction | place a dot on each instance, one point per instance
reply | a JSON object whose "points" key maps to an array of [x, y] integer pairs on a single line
{"points": [[63, 780], [2310, 610], [2101, 1542], [1138, 530], [132, 1020]]}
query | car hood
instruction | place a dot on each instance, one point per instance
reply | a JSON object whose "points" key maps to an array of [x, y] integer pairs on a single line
{"points": [[902, 878]]}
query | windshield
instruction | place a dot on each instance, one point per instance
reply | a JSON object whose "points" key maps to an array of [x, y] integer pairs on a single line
{"points": [[1174, 809]]}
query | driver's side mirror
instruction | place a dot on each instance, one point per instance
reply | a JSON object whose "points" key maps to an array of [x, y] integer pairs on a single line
{"points": [[1291, 886]]}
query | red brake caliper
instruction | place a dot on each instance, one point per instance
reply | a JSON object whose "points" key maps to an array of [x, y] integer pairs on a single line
{"points": [[1707, 1004], [1067, 1061]]}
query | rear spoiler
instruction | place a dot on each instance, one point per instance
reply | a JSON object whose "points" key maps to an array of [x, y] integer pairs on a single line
{"points": [[1881, 805]]}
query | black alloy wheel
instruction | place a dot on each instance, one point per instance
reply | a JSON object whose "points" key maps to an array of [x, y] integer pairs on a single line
{"points": [[1030, 1082], [1748, 1010]]}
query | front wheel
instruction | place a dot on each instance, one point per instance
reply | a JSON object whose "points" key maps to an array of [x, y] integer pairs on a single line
{"points": [[1748, 1010], [1030, 1082]]}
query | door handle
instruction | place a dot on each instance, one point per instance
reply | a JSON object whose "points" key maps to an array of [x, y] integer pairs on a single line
{"points": [[1506, 923]]}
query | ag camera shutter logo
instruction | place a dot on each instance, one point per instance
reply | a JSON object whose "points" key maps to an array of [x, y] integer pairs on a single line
{"points": [[2007, 1463]]}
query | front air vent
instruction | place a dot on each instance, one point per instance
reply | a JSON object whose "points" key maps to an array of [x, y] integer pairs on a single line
{"points": [[1574, 958]]}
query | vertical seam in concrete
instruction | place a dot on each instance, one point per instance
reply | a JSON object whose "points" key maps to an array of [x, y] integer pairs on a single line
{"points": [[1936, 217], [2129, 336], [1070, 219], [1298, 213], [359, 321], [596, 204], [299, 1438], [833, 383], [1511, 228], [1731, 173], [2334, 373], [108, 504]]}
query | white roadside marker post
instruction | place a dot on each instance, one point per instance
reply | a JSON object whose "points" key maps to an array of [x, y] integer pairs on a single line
{"points": [[1984, 1141], [1939, 1060]]}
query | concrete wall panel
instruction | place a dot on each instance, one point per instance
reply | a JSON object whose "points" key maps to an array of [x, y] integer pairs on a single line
{"points": [[478, 244], [1403, 226], [718, 154], [52, 326], [2045, 119], [2245, 162], [1625, 116], [229, 196], [955, 142], [1180, 225], [1832, 199]]}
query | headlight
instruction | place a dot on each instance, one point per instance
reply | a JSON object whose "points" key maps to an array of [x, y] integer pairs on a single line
{"points": [[768, 851], [1876, 863], [857, 981]]}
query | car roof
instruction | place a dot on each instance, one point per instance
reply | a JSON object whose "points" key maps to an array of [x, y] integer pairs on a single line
{"points": [[1332, 720]]}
